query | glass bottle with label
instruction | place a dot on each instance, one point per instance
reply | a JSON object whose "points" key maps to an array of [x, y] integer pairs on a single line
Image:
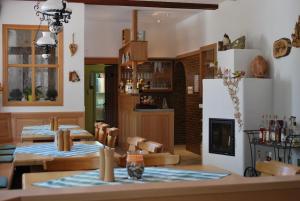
{"points": [[284, 129], [267, 130], [262, 130], [272, 130]]}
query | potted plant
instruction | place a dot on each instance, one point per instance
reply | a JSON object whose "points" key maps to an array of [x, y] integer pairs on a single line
{"points": [[51, 94], [16, 95], [39, 93], [28, 93]]}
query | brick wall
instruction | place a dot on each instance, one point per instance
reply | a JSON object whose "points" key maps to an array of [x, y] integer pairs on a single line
{"points": [[178, 103], [193, 115]]}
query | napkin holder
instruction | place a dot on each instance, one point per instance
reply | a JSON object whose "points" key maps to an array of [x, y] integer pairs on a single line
{"points": [[109, 164], [63, 140], [106, 164], [101, 163]]}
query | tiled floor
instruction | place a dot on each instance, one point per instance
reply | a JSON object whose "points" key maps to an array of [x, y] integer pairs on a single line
{"points": [[186, 157]]}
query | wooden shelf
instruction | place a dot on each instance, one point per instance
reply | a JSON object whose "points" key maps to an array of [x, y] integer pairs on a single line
{"points": [[157, 91]]}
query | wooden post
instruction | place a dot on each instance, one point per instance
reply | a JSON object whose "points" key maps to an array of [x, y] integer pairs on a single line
{"points": [[134, 29], [134, 26]]}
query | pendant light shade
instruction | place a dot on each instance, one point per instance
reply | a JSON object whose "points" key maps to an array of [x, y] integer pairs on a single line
{"points": [[51, 7], [47, 43], [46, 39]]}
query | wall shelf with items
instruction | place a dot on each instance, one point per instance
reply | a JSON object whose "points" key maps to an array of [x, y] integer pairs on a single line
{"points": [[156, 75], [134, 51]]}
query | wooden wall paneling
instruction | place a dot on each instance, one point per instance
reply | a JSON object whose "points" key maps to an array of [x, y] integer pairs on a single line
{"points": [[127, 123], [5, 128], [158, 127], [19, 120]]}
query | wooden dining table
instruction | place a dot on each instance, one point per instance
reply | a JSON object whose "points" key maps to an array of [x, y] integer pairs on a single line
{"points": [[29, 178], [43, 133], [31, 159]]}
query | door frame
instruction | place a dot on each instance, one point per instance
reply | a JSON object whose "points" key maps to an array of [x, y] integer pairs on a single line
{"points": [[95, 61]]}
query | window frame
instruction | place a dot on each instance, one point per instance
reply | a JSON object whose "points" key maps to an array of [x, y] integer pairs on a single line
{"points": [[33, 66]]}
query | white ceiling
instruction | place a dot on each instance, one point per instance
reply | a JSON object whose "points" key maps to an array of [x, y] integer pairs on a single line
{"points": [[119, 13]]}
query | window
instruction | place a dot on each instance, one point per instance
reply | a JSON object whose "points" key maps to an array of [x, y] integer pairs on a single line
{"points": [[29, 79]]}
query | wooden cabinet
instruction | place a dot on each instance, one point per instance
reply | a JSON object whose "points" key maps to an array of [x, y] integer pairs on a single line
{"points": [[134, 51], [155, 125]]}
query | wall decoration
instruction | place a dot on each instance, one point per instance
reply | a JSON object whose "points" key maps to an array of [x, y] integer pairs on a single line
{"points": [[282, 47], [296, 35], [73, 76], [239, 43], [232, 84], [259, 67], [73, 46], [190, 90]]}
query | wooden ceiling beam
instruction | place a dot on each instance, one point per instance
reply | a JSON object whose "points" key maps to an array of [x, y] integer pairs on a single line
{"points": [[150, 4]]}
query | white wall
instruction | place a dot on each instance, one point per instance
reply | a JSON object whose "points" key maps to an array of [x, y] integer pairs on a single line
{"points": [[19, 12], [103, 38], [103, 33], [263, 22]]}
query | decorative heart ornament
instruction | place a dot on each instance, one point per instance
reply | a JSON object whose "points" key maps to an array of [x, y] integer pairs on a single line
{"points": [[73, 47]]}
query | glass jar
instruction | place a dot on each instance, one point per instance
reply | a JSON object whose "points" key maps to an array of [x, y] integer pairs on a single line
{"points": [[135, 165]]}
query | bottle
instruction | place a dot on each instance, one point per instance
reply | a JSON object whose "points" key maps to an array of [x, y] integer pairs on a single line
{"points": [[267, 130], [262, 130], [284, 130], [259, 155], [269, 156], [277, 130], [291, 124], [272, 130]]}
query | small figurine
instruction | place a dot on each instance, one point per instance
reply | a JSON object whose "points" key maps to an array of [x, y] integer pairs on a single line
{"points": [[226, 42]]}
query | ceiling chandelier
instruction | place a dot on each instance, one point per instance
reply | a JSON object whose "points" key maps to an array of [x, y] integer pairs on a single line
{"points": [[55, 12]]}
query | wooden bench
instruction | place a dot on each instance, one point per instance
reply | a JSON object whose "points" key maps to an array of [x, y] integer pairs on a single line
{"points": [[7, 170]]}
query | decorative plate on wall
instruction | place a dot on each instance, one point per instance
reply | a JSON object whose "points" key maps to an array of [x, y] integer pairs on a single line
{"points": [[282, 47]]}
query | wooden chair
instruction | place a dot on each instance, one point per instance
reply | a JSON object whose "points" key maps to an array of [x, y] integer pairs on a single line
{"points": [[161, 159], [150, 147], [275, 168], [97, 128], [72, 164], [102, 133], [154, 159], [112, 134], [133, 142]]}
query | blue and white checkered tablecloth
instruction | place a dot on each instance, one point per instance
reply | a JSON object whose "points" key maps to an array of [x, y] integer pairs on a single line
{"points": [[49, 132], [47, 127], [49, 149], [151, 175], [38, 132]]}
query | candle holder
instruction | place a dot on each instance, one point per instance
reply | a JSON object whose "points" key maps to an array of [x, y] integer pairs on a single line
{"points": [[135, 165]]}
